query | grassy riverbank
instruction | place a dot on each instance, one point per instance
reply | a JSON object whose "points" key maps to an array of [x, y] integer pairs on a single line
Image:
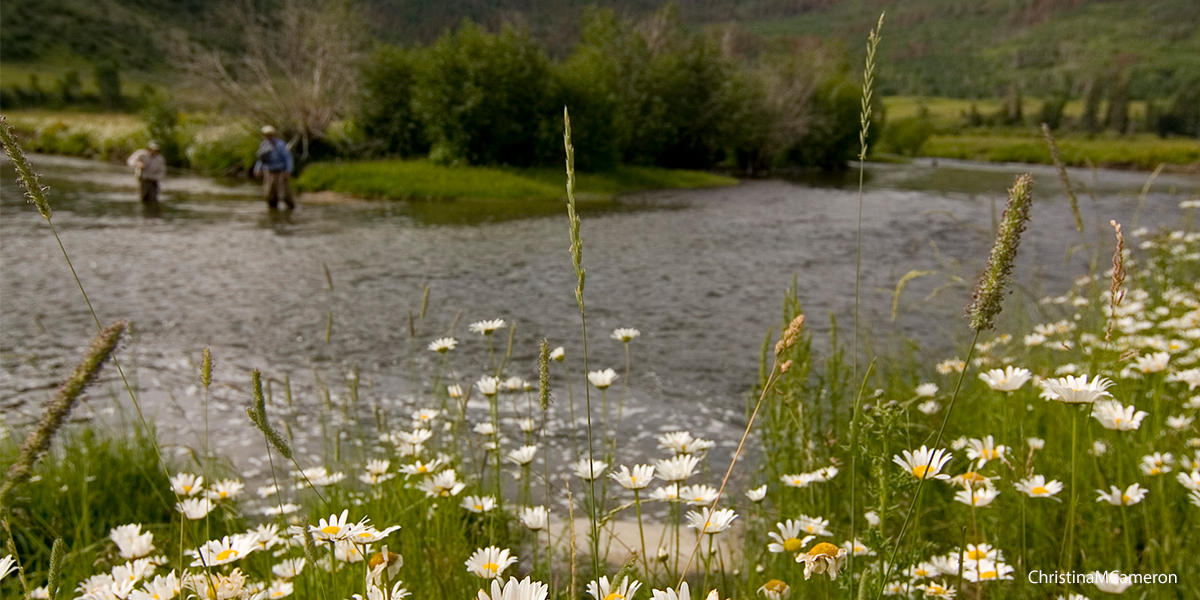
{"points": [[404, 179]]}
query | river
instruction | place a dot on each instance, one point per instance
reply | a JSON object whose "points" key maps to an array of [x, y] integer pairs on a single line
{"points": [[700, 272]]}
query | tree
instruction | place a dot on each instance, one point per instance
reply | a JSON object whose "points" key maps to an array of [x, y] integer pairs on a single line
{"points": [[295, 69], [384, 111]]}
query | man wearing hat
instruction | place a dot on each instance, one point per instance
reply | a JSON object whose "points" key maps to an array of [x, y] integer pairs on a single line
{"points": [[275, 167], [150, 167]]}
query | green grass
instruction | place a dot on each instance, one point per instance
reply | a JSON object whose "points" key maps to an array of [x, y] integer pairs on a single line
{"points": [[1017, 145], [407, 179]]}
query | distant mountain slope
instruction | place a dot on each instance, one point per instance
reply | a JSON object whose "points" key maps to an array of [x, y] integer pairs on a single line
{"points": [[965, 48], [961, 48]]}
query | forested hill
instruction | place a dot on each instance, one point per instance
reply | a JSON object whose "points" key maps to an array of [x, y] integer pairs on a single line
{"points": [[962, 48]]}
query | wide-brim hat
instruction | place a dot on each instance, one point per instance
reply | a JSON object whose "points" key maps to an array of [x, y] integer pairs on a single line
{"points": [[268, 130]]}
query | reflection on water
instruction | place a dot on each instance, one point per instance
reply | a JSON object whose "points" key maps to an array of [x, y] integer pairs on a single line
{"points": [[700, 272]]}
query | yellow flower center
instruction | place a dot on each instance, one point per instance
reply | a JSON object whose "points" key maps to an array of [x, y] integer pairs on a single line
{"points": [[1125, 498], [1040, 490], [493, 567], [920, 471], [421, 469], [977, 554], [330, 529], [614, 596], [775, 585], [227, 554], [987, 575], [824, 549], [792, 545], [479, 507], [633, 478]]}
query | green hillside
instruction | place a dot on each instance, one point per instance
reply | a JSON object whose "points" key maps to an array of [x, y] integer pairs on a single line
{"points": [[975, 49], [949, 48]]}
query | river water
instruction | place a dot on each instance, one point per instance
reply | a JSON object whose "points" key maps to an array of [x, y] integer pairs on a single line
{"points": [[700, 272]]}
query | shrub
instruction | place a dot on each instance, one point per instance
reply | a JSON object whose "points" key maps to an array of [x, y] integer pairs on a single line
{"points": [[384, 112], [225, 150], [906, 136], [485, 98]]}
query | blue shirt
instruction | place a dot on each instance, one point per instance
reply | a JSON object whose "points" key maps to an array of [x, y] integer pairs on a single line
{"points": [[273, 156]]}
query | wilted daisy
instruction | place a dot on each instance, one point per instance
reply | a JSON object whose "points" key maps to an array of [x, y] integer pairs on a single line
{"points": [[443, 345], [1152, 363], [682, 442], [603, 590], [589, 470], [1038, 487], [224, 551], [186, 484], [535, 518], [195, 508], [978, 497], [602, 379], [131, 542], [625, 334], [523, 455], [924, 464], [525, 589], [929, 407], [515, 384], [490, 562], [822, 558], [454, 391], [1113, 415], [527, 425], [1156, 464], [788, 539], [775, 589], [486, 327], [971, 479], [1008, 379], [1077, 390], [757, 494], [1099, 448], [1035, 443], [985, 449], [1132, 495], [634, 479], [713, 522], [558, 354], [872, 518], [676, 468], [926, 390]]}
